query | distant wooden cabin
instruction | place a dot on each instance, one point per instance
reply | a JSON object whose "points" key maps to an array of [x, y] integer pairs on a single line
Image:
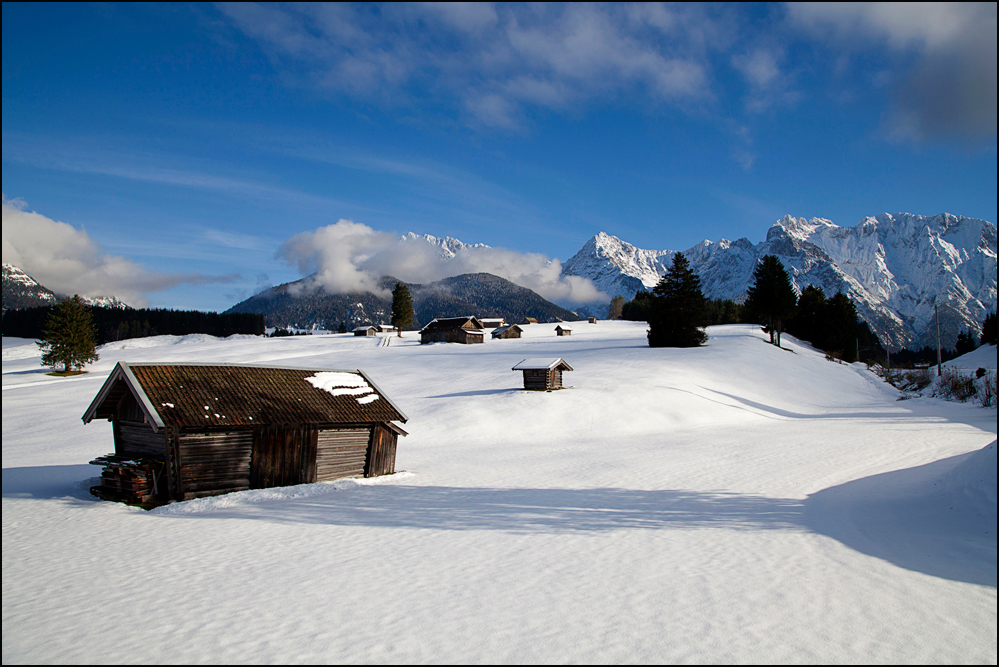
{"points": [[529, 320], [386, 328], [563, 330], [368, 330], [542, 374], [184, 431], [591, 319], [492, 322], [507, 331], [466, 330]]}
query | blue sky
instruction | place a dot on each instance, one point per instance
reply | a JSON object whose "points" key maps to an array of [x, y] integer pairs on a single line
{"points": [[184, 147]]}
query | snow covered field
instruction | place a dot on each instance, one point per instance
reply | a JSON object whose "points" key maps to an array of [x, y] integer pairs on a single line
{"points": [[733, 503]]}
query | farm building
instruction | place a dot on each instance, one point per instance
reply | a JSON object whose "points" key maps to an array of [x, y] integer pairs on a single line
{"points": [[542, 374], [507, 331], [367, 330], [563, 330], [386, 328], [492, 322], [184, 431], [466, 330], [591, 319], [529, 320]]}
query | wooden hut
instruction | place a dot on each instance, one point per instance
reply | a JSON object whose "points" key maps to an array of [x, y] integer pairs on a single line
{"points": [[563, 330], [591, 319], [529, 320], [542, 374], [467, 330], [184, 431], [386, 328], [507, 331], [367, 330], [492, 322]]}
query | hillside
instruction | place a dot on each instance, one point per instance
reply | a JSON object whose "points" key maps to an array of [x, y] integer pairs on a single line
{"points": [[671, 506], [480, 294]]}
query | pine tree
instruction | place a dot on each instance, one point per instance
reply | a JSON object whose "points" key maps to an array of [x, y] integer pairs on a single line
{"points": [[69, 337], [616, 305], [402, 308], [678, 312], [771, 296], [989, 330], [840, 325], [808, 322]]}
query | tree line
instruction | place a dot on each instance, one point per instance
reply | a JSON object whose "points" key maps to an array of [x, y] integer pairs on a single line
{"points": [[112, 324]]}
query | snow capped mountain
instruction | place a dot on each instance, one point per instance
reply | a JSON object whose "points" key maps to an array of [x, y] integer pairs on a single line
{"points": [[22, 291], [446, 246], [896, 268]]}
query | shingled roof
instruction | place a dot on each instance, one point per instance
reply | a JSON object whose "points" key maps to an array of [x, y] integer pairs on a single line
{"points": [[218, 395]]}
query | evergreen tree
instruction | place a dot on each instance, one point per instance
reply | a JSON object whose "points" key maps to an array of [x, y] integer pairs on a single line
{"points": [[989, 330], [966, 342], [771, 297], [402, 308], [69, 337], [616, 306], [678, 310], [840, 325], [638, 309], [808, 322]]}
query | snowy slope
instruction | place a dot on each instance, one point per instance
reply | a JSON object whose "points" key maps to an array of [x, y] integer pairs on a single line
{"points": [[660, 510], [894, 267]]}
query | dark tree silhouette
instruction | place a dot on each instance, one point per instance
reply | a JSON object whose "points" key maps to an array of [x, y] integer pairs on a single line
{"points": [[678, 308], [402, 308], [771, 297]]}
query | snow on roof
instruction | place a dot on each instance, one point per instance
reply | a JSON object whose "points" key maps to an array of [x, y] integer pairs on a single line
{"points": [[541, 364]]}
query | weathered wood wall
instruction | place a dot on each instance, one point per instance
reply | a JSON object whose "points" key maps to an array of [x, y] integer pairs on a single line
{"points": [[381, 457], [137, 439], [542, 379], [214, 463], [342, 452], [283, 456]]}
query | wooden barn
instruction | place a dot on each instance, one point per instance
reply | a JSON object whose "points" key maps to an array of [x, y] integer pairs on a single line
{"points": [[591, 319], [563, 330], [507, 331], [542, 374], [492, 322], [529, 320], [184, 431], [467, 330], [367, 330]]}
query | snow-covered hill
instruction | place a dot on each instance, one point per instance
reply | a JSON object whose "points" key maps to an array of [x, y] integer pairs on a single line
{"points": [[896, 268], [670, 507]]}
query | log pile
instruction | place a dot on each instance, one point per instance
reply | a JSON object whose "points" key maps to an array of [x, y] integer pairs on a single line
{"points": [[127, 479]]}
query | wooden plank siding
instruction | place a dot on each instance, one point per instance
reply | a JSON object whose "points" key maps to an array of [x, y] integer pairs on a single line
{"points": [[283, 456], [381, 460], [542, 379], [342, 452], [214, 463], [138, 439]]}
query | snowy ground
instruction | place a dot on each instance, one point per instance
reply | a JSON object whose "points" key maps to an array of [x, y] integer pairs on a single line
{"points": [[733, 503]]}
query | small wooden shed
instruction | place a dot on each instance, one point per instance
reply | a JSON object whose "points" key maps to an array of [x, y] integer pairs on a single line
{"points": [[507, 331], [184, 431], [368, 330], [591, 319], [563, 330], [543, 374], [492, 322], [529, 320], [466, 330]]}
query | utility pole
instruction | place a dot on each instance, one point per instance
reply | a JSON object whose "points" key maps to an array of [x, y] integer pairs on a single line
{"points": [[936, 314]]}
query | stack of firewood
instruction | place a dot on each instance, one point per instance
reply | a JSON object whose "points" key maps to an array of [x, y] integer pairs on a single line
{"points": [[126, 479]]}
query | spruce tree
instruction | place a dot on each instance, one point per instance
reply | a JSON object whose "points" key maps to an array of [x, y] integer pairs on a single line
{"points": [[771, 297], [616, 306], [678, 311], [402, 308], [841, 327], [989, 330], [69, 337]]}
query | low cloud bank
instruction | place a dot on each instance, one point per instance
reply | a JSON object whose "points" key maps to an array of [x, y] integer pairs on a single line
{"points": [[351, 257], [67, 261]]}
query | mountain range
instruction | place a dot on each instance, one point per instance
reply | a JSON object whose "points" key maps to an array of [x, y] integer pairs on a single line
{"points": [[22, 291], [481, 294], [896, 268]]}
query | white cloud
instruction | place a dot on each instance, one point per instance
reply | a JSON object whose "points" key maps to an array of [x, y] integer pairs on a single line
{"points": [[951, 90], [351, 257], [67, 261]]}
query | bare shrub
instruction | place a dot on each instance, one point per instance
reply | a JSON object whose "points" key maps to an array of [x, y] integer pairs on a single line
{"points": [[955, 384]]}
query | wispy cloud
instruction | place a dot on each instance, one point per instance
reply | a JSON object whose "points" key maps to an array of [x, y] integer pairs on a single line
{"points": [[494, 63], [950, 92], [68, 261]]}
